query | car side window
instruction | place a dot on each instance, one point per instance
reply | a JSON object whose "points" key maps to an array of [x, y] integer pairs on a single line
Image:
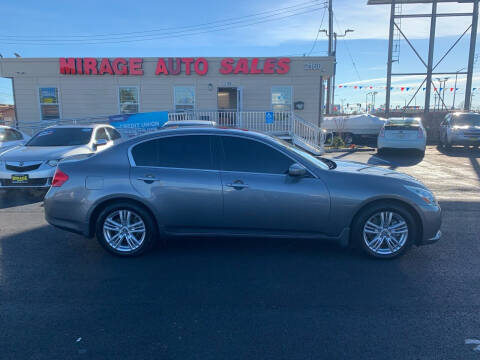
{"points": [[12, 135], [114, 134], [188, 152], [246, 155], [101, 134]]}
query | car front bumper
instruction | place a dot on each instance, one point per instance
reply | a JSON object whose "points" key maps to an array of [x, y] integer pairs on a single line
{"points": [[40, 178], [465, 140], [431, 217]]}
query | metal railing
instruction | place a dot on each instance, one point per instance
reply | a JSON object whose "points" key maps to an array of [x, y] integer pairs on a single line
{"points": [[285, 123]]}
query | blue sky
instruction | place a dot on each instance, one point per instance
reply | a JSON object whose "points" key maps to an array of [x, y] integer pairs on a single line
{"points": [[61, 24]]}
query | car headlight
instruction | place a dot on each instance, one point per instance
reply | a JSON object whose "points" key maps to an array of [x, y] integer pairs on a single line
{"points": [[53, 163], [424, 194]]}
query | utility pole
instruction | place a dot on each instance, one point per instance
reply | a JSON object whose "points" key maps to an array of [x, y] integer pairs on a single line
{"points": [[330, 53], [331, 80], [471, 58]]}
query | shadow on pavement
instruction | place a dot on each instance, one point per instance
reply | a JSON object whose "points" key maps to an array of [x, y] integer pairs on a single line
{"points": [[472, 153], [460, 151], [394, 158], [18, 197]]}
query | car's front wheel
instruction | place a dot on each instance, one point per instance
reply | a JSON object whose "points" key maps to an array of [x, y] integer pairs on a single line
{"points": [[385, 230], [125, 229]]}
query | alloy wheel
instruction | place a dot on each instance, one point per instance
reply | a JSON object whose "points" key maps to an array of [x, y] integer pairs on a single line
{"points": [[124, 230], [385, 232]]}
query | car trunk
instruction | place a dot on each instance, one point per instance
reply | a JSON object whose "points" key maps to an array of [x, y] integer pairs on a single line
{"points": [[401, 132]]}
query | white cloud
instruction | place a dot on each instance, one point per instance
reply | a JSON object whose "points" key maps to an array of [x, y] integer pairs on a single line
{"points": [[368, 21]]}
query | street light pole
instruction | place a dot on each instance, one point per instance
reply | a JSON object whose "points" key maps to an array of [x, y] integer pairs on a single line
{"points": [[455, 88]]}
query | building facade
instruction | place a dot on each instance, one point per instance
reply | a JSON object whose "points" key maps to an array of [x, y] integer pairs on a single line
{"points": [[67, 88]]}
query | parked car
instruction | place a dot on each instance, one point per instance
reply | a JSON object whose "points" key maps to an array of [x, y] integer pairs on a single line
{"points": [[212, 181], [402, 133], [460, 129], [187, 123], [10, 137], [33, 165]]}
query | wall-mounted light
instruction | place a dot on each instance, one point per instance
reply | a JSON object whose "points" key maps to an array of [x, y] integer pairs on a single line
{"points": [[210, 87]]}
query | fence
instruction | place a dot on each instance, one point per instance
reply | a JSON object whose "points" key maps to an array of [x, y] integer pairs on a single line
{"points": [[286, 123]]}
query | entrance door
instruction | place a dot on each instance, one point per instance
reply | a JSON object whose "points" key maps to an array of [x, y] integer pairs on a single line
{"points": [[228, 103]]}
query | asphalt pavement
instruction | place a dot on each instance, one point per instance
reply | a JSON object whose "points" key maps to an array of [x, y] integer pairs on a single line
{"points": [[63, 297]]}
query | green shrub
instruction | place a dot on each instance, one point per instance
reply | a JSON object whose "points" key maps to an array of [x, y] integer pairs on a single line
{"points": [[338, 142]]}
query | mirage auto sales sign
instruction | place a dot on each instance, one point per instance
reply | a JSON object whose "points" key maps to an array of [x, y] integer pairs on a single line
{"points": [[172, 66]]}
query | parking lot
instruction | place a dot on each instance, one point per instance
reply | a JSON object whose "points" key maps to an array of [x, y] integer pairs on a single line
{"points": [[62, 296]]}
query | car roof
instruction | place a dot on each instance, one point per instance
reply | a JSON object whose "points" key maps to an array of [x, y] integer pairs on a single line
{"points": [[76, 126], [189, 122], [192, 130]]}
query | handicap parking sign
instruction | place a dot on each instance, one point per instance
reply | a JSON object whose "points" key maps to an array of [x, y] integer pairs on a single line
{"points": [[269, 118]]}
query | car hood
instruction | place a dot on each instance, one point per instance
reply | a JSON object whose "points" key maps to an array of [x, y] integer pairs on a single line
{"points": [[361, 168], [34, 153]]}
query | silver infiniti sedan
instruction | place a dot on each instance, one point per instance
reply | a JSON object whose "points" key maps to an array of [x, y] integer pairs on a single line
{"points": [[33, 165], [211, 181]]}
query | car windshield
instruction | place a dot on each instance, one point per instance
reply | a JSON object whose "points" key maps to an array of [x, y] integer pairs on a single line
{"points": [[466, 120], [61, 137], [9, 135], [310, 158]]}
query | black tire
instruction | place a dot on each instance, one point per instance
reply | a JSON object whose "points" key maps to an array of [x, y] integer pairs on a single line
{"points": [[348, 138], [150, 228], [365, 214]]}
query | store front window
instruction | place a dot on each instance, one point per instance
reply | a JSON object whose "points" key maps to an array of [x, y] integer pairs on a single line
{"points": [[184, 97], [49, 106], [128, 100], [282, 98]]}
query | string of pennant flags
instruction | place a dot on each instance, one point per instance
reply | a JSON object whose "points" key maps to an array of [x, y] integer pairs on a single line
{"points": [[400, 88]]}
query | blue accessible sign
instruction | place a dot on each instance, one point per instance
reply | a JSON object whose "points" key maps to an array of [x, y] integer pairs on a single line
{"points": [[269, 118]]}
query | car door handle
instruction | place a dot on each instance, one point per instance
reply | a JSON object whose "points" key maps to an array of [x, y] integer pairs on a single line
{"points": [[148, 178], [237, 185]]}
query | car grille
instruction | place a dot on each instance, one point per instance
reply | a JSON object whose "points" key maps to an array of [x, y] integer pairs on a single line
{"points": [[22, 168], [31, 182]]}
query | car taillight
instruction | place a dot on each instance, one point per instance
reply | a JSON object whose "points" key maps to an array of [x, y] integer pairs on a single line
{"points": [[382, 132], [420, 133], [59, 178]]}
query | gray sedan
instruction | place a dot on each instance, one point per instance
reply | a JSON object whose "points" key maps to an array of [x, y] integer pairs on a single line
{"points": [[211, 181], [33, 165]]}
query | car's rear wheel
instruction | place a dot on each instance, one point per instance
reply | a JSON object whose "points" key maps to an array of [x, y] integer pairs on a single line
{"points": [[385, 230], [125, 229]]}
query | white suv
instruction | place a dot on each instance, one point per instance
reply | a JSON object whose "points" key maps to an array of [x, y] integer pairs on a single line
{"points": [[460, 129]]}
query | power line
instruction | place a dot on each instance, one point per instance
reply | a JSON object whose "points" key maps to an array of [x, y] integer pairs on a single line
{"points": [[168, 30], [318, 32], [172, 35], [348, 51]]}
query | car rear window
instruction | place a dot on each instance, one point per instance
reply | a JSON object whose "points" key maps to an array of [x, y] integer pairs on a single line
{"points": [[187, 152], [402, 124], [61, 137]]}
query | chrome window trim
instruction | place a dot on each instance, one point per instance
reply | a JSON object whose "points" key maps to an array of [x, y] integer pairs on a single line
{"points": [[133, 164]]}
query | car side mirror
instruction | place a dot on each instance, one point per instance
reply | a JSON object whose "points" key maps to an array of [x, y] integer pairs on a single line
{"points": [[99, 142], [296, 170]]}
